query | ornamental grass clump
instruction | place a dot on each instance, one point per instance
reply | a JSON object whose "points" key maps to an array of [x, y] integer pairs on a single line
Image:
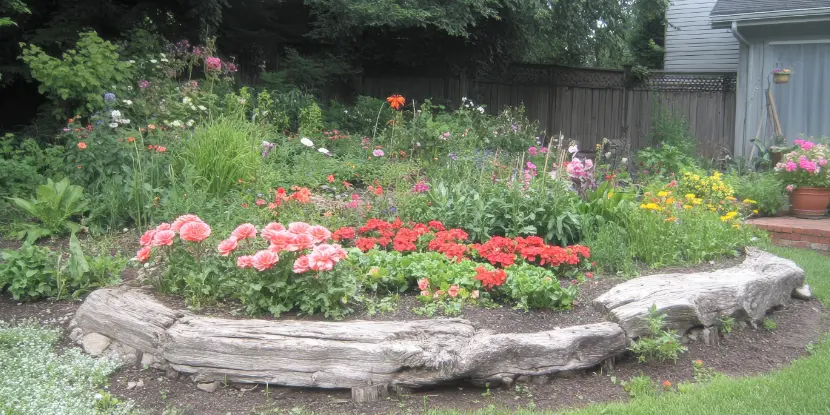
{"points": [[806, 166]]}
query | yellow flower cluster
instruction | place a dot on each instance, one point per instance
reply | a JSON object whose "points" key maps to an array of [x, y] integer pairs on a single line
{"points": [[711, 188], [667, 204]]}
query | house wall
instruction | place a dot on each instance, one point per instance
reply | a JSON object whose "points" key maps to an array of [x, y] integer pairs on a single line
{"points": [[691, 43], [807, 97]]}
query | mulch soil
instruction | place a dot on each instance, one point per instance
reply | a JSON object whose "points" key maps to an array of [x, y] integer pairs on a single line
{"points": [[746, 351]]}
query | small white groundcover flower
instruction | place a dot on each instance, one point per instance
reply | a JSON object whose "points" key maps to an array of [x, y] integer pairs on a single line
{"points": [[306, 142], [113, 124], [323, 150], [116, 114]]}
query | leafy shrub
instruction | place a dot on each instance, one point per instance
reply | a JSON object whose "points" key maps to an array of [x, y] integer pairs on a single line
{"points": [[221, 153], [82, 75], [764, 188], [609, 243], [361, 118], [669, 128], [547, 208], [311, 120], [661, 344], [19, 162], [29, 273], [534, 287], [55, 206], [663, 160], [34, 272]]}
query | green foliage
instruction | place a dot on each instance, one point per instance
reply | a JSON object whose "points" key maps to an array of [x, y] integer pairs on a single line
{"points": [[19, 162], [547, 209], [12, 6], [33, 366], [640, 386], [534, 287], [305, 73], [726, 324], [696, 236], [648, 35], [82, 75], [55, 206], [609, 247], [29, 273], [34, 272], [661, 344], [221, 153], [311, 120], [360, 118], [770, 324], [673, 144]]}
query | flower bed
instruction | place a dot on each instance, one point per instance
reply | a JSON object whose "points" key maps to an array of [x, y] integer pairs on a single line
{"points": [[300, 267]]}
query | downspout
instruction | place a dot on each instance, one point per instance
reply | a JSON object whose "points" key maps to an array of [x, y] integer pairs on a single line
{"points": [[742, 40]]}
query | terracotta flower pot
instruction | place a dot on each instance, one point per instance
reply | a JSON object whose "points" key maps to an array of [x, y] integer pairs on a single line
{"points": [[781, 78], [810, 202]]}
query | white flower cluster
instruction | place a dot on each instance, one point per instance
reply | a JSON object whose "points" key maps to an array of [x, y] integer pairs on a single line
{"points": [[117, 120], [36, 380]]}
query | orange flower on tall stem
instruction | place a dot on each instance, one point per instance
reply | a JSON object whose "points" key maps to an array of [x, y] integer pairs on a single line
{"points": [[396, 101]]}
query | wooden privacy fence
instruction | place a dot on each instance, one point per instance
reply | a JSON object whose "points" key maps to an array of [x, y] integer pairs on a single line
{"points": [[588, 105]]}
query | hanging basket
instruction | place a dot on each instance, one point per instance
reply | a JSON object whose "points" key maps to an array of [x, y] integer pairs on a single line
{"points": [[781, 78]]}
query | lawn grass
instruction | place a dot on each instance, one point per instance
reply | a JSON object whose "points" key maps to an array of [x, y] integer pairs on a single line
{"points": [[798, 389]]}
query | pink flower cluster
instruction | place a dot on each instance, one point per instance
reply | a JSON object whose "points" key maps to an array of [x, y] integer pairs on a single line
{"points": [[578, 168], [189, 227], [811, 158], [298, 238], [213, 63]]}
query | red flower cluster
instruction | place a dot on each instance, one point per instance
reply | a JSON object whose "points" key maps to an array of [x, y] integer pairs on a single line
{"points": [[450, 243], [490, 279], [502, 251]]}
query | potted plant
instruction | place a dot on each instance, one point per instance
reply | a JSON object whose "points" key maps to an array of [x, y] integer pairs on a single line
{"points": [[781, 75], [807, 176], [776, 151]]}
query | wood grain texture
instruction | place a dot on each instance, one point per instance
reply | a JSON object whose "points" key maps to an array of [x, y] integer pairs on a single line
{"points": [[340, 355], [746, 292]]}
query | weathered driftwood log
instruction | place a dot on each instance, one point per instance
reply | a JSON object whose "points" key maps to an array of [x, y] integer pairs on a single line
{"points": [[339, 354], [746, 292]]}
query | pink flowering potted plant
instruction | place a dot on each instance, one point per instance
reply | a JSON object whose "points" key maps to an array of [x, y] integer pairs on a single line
{"points": [[807, 176], [781, 75]]}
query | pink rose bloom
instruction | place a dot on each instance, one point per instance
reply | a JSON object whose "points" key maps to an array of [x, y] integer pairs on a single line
{"points": [[531, 151], [423, 284], [339, 252], [164, 226], [143, 254], [301, 241], [274, 226], [301, 265], [807, 145], [320, 261], [181, 220], [790, 166], [589, 164], [319, 234], [453, 291], [227, 246], [298, 227], [213, 63], [264, 260], [147, 238], [245, 261], [425, 293], [474, 294], [194, 231], [244, 231], [163, 238], [280, 240]]}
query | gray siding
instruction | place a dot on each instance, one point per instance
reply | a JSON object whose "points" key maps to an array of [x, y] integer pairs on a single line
{"points": [[727, 7], [691, 43]]}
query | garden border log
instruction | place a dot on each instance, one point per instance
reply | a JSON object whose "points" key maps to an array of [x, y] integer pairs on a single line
{"points": [[339, 354], [745, 292]]}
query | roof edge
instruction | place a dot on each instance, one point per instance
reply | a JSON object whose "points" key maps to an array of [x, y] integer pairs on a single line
{"points": [[771, 14]]}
